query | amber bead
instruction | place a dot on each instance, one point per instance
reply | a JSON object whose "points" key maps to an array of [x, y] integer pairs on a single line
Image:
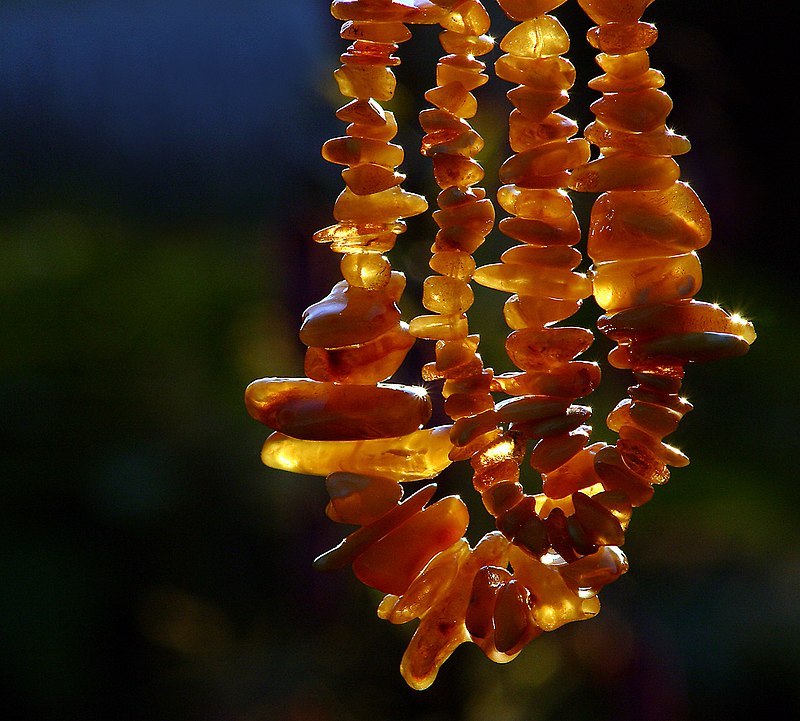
{"points": [[393, 562], [487, 582], [624, 66], [644, 462], [366, 81], [354, 237], [304, 408], [500, 497], [657, 420], [384, 206], [445, 295], [338, 319], [523, 134], [553, 231], [454, 98], [643, 224], [467, 17], [625, 171], [371, 362], [539, 37], [528, 311], [626, 283], [512, 616], [554, 425], [555, 256], [369, 178], [537, 204], [517, 278], [387, 11], [360, 500], [439, 327], [543, 349], [594, 571], [650, 79], [456, 43], [658, 142], [619, 38], [456, 170], [536, 104], [551, 453], [380, 32], [575, 474], [453, 263], [526, 9], [361, 539], [601, 527], [571, 380], [543, 160], [421, 454], [540, 74], [640, 112], [349, 150], [466, 71], [616, 476]]}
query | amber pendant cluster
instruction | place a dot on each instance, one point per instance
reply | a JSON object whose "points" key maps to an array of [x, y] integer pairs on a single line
{"points": [[553, 550]]}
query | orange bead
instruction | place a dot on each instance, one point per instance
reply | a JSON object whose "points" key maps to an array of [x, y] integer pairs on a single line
{"points": [[360, 500]]}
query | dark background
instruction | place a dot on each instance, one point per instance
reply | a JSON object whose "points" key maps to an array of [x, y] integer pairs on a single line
{"points": [[160, 180]]}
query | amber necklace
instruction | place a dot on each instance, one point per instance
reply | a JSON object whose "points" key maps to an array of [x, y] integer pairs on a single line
{"points": [[552, 551]]}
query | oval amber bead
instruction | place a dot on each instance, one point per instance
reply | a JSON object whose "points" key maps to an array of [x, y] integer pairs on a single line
{"points": [[536, 104], [538, 74], [552, 231], [661, 142], [541, 349], [625, 171], [640, 112], [546, 159], [539, 37], [524, 134], [360, 500], [441, 294], [523, 311], [621, 38]]}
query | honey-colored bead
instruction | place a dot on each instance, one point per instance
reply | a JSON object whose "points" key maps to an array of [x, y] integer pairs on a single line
{"points": [[387, 11], [439, 327], [349, 315], [360, 500], [368, 52], [354, 237], [421, 454], [427, 588], [308, 409], [363, 112], [688, 316], [518, 278], [371, 362], [376, 131], [457, 43], [379, 207], [456, 171], [366, 81], [631, 437], [596, 570], [553, 256], [556, 604], [644, 224], [626, 283], [500, 497], [575, 416], [513, 623], [523, 311], [449, 296], [540, 74], [536, 104], [380, 32], [656, 420], [575, 474], [601, 527], [624, 66], [478, 618], [616, 476], [539, 37], [661, 142], [461, 69], [530, 408], [477, 216], [542, 349], [571, 380], [393, 562], [457, 358], [553, 231], [468, 17], [453, 263], [620, 38], [535, 204], [643, 461], [368, 178], [454, 98], [551, 453], [353, 545], [371, 271], [625, 171], [650, 79], [638, 112], [524, 134], [349, 150], [543, 160], [614, 11]]}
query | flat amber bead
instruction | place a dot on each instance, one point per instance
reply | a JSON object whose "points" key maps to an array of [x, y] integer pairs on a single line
{"points": [[456, 171], [539, 37], [625, 171], [371, 362], [547, 159], [368, 178], [349, 315], [354, 237], [523, 311], [624, 66], [530, 408], [640, 112], [575, 474], [453, 263], [553, 256], [573, 417], [368, 52], [380, 32], [642, 224], [313, 410], [387, 11], [656, 420], [619, 38], [513, 623], [421, 454], [350, 150], [383, 206], [660, 142], [454, 98], [360, 500], [441, 294], [370, 271], [535, 204], [596, 570], [571, 380], [627, 283], [366, 81], [363, 112], [540, 74], [461, 69], [477, 215], [542, 349], [502, 496], [551, 453], [552, 231], [613, 84], [456, 43], [478, 618], [393, 562], [524, 134], [439, 327], [535, 104], [518, 278], [616, 476]]}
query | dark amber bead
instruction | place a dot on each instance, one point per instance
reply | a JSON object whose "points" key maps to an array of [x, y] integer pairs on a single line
{"points": [[601, 527], [616, 476], [512, 616], [360, 500], [551, 453], [488, 580], [575, 474], [501, 497]]}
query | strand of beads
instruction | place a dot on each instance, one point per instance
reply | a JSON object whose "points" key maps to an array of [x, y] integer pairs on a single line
{"points": [[343, 421], [644, 231]]}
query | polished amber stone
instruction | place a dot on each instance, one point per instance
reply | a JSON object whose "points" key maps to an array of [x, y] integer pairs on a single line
{"points": [[620, 38], [461, 69], [360, 500], [524, 134], [552, 231], [639, 112], [387, 11], [371, 271], [467, 17], [539, 74], [513, 622], [543, 160], [650, 79], [539, 37], [366, 81], [368, 178], [661, 142], [536, 204], [625, 171], [439, 327], [421, 454], [551, 453], [536, 104], [624, 66], [456, 171], [384, 206], [525, 311], [454, 98], [543, 349], [379, 32], [456, 43], [441, 294], [570, 380], [478, 618], [518, 278], [314, 410], [616, 476], [614, 11], [454, 263], [349, 150], [575, 474], [627, 283]]}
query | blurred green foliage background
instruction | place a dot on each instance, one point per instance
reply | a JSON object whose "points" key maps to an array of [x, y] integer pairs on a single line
{"points": [[160, 180]]}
